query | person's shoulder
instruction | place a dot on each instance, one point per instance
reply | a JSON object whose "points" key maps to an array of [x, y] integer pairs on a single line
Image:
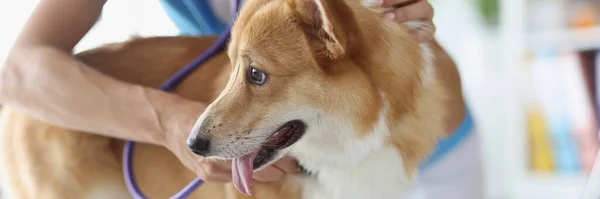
{"points": [[222, 9]]}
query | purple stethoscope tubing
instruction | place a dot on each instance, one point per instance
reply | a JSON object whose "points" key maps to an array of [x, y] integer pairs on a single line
{"points": [[168, 86]]}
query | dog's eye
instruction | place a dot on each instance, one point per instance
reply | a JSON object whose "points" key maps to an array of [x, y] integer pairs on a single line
{"points": [[256, 76]]}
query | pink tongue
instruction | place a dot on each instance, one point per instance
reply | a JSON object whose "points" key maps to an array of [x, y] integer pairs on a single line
{"points": [[241, 169]]}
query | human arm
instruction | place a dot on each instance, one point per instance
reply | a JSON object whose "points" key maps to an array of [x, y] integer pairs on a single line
{"points": [[42, 78]]}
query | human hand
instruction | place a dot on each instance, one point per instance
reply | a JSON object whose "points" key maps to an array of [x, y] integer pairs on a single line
{"points": [[402, 11], [210, 169], [213, 170]]}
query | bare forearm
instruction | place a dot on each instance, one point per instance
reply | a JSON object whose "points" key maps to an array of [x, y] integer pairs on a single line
{"points": [[52, 86]]}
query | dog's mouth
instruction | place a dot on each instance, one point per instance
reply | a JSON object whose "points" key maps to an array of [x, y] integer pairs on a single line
{"points": [[243, 167], [285, 136]]}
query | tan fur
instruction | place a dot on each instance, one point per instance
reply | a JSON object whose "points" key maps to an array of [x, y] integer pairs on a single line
{"points": [[44, 161]]}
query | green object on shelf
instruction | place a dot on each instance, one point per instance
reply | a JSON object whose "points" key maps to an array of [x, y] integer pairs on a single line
{"points": [[489, 10]]}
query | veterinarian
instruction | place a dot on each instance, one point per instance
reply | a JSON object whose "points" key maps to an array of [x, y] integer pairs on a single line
{"points": [[41, 77]]}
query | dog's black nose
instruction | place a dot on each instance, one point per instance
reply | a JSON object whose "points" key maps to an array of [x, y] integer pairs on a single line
{"points": [[199, 146]]}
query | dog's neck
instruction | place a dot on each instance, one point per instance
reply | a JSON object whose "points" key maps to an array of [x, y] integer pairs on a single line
{"points": [[379, 164], [380, 175], [347, 167], [373, 166]]}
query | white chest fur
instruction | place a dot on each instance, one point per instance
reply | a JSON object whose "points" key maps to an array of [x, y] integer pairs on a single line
{"points": [[349, 167], [381, 175]]}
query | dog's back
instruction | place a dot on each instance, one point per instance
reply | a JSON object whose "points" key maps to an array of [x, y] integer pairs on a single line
{"points": [[45, 161]]}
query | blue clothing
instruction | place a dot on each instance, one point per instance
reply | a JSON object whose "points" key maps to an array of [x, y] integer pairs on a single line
{"points": [[446, 145], [195, 17]]}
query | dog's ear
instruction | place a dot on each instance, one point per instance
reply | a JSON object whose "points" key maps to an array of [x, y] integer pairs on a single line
{"points": [[329, 22]]}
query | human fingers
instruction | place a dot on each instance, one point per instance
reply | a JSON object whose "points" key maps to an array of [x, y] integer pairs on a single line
{"points": [[271, 173], [418, 16], [420, 10], [387, 3], [397, 3], [215, 170]]}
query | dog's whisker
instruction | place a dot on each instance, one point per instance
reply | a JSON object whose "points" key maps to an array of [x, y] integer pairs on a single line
{"points": [[253, 137]]}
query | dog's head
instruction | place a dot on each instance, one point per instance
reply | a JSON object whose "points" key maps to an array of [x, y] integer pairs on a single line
{"points": [[316, 79]]}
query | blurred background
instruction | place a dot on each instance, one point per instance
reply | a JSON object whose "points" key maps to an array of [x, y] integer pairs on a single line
{"points": [[528, 68]]}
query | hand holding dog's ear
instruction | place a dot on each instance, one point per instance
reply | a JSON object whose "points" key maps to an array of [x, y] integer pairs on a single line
{"points": [[418, 14]]}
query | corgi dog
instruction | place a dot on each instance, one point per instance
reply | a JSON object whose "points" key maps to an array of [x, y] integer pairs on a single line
{"points": [[354, 98]]}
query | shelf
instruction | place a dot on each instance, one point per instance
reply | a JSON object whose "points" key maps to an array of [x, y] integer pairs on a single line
{"points": [[577, 39], [539, 186]]}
